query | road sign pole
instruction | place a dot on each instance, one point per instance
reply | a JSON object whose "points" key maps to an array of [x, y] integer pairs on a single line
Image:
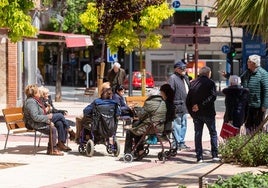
{"points": [[231, 45], [196, 54]]}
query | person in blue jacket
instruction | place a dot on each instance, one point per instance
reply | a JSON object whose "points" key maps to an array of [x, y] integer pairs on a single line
{"points": [[105, 98], [126, 111]]}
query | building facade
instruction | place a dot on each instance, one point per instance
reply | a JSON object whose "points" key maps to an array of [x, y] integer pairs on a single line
{"points": [[19, 61]]}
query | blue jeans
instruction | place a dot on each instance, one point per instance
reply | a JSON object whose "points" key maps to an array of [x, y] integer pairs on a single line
{"points": [[62, 125], [179, 128], [198, 128]]}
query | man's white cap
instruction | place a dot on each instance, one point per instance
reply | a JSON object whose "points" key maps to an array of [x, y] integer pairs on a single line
{"points": [[255, 59]]}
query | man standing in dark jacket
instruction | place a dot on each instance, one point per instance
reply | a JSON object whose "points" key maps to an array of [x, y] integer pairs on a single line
{"points": [[200, 104]]}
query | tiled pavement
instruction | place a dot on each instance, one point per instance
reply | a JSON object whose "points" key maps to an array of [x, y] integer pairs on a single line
{"points": [[103, 170]]}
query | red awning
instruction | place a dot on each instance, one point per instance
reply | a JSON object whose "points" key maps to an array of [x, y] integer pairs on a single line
{"points": [[72, 40]]}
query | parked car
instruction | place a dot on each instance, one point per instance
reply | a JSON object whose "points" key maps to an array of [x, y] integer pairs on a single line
{"points": [[136, 80]]}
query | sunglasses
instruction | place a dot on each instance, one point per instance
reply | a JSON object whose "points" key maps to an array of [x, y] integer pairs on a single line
{"points": [[182, 68]]}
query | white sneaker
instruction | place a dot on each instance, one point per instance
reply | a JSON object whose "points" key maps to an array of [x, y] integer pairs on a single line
{"points": [[200, 161], [216, 159]]}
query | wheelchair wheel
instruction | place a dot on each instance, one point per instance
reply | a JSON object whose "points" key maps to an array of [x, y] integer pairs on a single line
{"points": [[128, 158], [109, 149], [161, 156], [81, 149], [90, 148], [116, 148]]}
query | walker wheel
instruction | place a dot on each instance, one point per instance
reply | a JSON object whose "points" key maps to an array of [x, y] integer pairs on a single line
{"points": [[146, 151], [128, 158], [162, 156], [173, 152], [168, 154]]}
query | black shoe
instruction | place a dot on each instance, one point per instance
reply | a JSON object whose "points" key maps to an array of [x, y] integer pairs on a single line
{"points": [[140, 156]]}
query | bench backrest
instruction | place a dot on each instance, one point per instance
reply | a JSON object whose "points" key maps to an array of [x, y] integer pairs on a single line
{"points": [[135, 100], [13, 118]]}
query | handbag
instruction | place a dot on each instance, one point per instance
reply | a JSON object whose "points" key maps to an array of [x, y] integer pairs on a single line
{"points": [[228, 130]]}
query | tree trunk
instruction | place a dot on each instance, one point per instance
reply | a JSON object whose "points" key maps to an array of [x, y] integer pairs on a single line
{"points": [[101, 67], [58, 94]]}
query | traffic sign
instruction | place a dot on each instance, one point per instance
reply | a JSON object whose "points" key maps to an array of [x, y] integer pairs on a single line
{"points": [[189, 30], [111, 57], [189, 40], [225, 49], [87, 68], [176, 4]]}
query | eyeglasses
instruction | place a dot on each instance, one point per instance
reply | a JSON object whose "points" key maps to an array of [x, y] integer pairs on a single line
{"points": [[182, 68]]}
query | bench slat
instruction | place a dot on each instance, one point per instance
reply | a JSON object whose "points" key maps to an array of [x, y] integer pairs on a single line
{"points": [[13, 118], [135, 100]]}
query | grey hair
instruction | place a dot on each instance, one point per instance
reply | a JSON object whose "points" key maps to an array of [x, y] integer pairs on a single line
{"points": [[204, 71], [234, 80], [116, 64]]}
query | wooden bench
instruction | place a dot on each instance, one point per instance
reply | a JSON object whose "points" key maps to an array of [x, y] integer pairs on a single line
{"points": [[15, 124], [90, 92], [135, 100]]}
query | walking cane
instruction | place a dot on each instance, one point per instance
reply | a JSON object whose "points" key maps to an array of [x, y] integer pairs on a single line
{"points": [[50, 137]]}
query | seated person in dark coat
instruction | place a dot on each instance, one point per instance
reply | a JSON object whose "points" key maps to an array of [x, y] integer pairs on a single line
{"points": [[156, 108]]}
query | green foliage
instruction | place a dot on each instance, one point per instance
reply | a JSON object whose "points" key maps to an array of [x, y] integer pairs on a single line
{"points": [[153, 16], [128, 34], [133, 25], [243, 180], [70, 13], [255, 152], [90, 18], [251, 14], [126, 38], [14, 16]]}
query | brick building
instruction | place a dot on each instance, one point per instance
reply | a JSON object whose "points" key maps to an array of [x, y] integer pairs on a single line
{"points": [[9, 73]]}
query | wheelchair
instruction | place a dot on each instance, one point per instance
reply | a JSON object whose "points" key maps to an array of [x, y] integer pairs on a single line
{"points": [[102, 130], [152, 130]]}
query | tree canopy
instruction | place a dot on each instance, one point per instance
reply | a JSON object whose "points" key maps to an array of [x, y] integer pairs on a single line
{"points": [[140, 31], [14, 16], [124, 26], [128, 24], [70, 11], [252, 14]]}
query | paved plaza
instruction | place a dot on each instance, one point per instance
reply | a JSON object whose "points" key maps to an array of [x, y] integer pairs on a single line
{"points": [[20, 168]]}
